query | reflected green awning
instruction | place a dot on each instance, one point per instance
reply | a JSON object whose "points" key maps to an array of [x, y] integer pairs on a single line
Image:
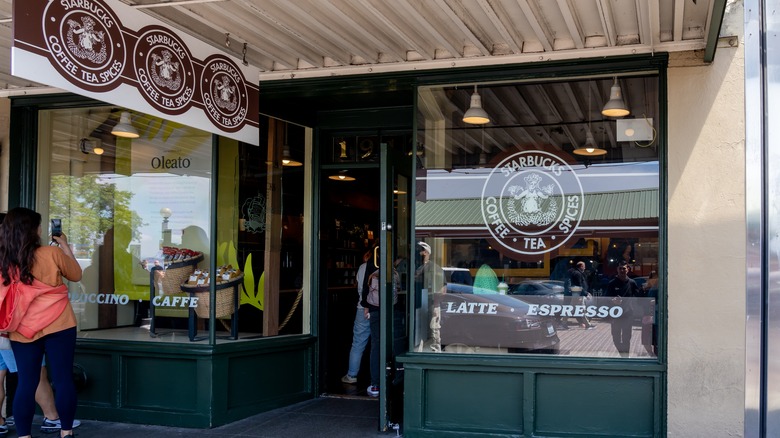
{"points": [[607, 206]]}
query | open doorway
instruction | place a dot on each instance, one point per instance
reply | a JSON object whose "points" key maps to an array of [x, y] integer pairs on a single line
{"points": [[349, 215]]}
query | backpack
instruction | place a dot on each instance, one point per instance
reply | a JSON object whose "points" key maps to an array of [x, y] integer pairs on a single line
{"points": [[373, 288]]}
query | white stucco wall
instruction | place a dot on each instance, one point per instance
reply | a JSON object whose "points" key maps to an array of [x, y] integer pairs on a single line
{"points": [[706, 254]]}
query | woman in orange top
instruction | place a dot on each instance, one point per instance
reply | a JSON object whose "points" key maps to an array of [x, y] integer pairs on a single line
{"points": [[49, 324]]}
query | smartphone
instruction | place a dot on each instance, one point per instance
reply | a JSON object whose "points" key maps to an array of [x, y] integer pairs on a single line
{"points": [[56, 227]]}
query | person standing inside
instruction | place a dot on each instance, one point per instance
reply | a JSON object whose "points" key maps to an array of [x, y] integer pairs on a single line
{"points": [[623, 291], [579, 291], [49, 324], [361, 329], [371, 314]]}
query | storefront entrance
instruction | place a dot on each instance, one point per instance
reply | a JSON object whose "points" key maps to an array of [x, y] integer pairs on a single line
{"points": [[364, 217]]}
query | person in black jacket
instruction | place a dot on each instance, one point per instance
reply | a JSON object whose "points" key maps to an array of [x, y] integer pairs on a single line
{"points": [[624, 292], [579, 291]]}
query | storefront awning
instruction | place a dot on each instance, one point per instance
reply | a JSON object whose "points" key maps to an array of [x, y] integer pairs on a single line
{"points": [[318, 38]]}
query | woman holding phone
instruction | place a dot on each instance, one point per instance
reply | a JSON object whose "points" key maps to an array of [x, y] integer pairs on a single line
{"points": [[49, 324]]}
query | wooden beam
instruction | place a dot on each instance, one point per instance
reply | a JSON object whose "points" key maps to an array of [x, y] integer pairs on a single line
{"points": [[273, 233]]}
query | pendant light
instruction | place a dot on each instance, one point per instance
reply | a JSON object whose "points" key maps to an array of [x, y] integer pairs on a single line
{"points": [[475, 115], [590, 149], [615, 107], [287, 159], [341, 176], [124, 128]]}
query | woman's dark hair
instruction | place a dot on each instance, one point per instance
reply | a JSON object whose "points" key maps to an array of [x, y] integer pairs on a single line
{"points": [[18, 241]]}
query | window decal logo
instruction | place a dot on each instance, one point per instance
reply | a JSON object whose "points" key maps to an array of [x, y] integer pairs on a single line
{"points": [[532, 202]]}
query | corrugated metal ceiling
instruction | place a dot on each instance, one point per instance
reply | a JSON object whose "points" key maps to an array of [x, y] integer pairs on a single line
{"points": [[307, 38]]}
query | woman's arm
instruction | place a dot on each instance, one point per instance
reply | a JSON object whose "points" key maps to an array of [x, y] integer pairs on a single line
{"points": [[68, 265]]}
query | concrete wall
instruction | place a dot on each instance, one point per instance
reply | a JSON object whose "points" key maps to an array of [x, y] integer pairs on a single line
{"points": [[706, 255]]}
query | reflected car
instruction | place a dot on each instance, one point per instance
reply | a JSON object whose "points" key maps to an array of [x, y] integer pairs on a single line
{"points": [[481, 317], [538, 291]]}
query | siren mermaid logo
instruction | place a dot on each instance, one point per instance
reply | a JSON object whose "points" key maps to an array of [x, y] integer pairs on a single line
{"points": [[532, 202], [91, 44], [224, 93], [537, 206], [164, 69], [168, 75], [85, 43]]}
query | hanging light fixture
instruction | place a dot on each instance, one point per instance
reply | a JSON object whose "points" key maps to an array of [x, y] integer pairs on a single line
{"points": [[475, 115], [124, 128], [615, 107], [590, 149], [287, 159], [341, 176]]}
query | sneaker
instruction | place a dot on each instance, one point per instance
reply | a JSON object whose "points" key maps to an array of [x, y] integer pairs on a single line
{"points": [[10, 421], [50, 426], [3, 429], [373, 391], [349, 379]]}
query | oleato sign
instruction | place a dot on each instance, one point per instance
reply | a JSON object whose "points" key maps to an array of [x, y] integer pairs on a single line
{"points": [[111, 52]]}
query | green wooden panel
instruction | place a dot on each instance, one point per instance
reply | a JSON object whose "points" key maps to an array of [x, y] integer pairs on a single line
{"points": [[252, 381], [100, 386], [474, 401], [168, 384], [603, 406], [193, 385]]}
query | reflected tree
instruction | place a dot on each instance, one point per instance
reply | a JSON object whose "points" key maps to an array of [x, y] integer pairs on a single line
{"points": [[89, 207]]}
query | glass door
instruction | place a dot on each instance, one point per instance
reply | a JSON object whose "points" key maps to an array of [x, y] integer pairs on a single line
{"points": [[395, 240]]}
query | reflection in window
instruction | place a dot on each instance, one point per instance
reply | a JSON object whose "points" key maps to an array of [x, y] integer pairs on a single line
{"points": [[528, 227], [138, 214]]}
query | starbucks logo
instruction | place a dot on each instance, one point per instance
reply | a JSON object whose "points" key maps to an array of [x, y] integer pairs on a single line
{"points": [[224, 93], [532, 202], [85, 43], [164, 69]]}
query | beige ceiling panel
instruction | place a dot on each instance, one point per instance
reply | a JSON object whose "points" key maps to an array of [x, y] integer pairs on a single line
{"points": [[310, 38]]}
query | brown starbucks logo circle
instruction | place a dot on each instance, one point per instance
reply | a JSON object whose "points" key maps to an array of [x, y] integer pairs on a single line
{"points": [[85, 43], [224, 93], [532, 202], [163, 66]]}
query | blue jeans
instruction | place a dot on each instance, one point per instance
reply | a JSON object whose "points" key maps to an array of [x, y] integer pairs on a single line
{"points": [[361, 331]]}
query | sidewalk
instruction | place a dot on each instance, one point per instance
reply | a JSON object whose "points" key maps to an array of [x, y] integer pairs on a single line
{"points": [[321, 417]]}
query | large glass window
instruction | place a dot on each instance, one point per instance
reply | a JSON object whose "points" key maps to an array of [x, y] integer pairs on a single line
{"points": [[138, 210], [538, 225]]}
